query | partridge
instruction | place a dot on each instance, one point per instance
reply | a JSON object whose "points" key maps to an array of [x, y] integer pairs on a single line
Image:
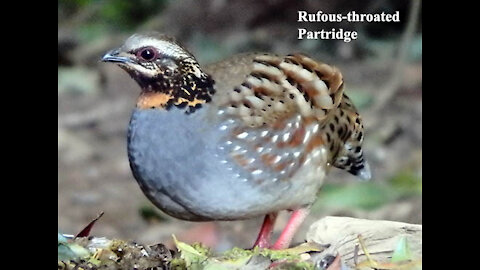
{"points": [[251, 135]]}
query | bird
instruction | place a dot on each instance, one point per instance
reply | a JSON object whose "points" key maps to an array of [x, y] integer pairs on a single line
{"points": [[248, 136]]}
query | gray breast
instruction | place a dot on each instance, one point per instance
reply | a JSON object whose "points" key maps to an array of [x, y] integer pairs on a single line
{"points": [[181, 167]]}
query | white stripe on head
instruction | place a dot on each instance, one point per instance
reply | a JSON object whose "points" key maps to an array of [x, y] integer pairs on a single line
{"points": [[164, 44]]}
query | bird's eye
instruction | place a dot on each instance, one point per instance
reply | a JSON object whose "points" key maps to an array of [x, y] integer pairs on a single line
{"points": [[147, 54]]}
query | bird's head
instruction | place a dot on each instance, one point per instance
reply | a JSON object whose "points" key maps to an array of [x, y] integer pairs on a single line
{"points": [[166, 72]]}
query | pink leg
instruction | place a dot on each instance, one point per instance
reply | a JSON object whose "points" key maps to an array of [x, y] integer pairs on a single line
{"points": [[296, 219], [263, 239]]}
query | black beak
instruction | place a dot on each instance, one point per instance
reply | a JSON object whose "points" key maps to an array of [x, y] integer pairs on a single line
{"points": [[113, 56]]}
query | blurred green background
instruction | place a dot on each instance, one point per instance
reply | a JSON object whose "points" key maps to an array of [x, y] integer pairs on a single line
{"points": [[382, 71]]}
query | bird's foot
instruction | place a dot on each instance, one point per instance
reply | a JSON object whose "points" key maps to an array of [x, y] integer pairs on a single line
{"points": [[293, 224], [283, 242], [263, 239]]}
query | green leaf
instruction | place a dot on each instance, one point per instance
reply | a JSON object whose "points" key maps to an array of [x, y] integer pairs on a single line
{"points": [[402, 251], [193, 258], [62, 239], [214, 264], [71, 251]]}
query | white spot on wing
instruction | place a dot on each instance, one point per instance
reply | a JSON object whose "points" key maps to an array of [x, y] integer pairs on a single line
{"points": [[242, 135], [257, 172]]}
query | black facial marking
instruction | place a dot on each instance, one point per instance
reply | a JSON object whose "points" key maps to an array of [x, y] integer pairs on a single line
{"points": [[181, 84], [182, 105]]}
